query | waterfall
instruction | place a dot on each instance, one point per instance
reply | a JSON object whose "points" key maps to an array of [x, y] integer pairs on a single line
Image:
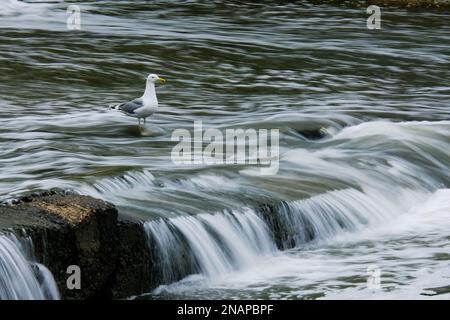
{"points": [[210, 244], [20, 278], [220, 243], [322, 217]]}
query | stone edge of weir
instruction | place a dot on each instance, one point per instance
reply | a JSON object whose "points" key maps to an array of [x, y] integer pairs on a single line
{"points": [[111, 250]]}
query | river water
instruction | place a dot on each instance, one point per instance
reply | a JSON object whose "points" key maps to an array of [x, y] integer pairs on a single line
{"points": [[360, 206]]}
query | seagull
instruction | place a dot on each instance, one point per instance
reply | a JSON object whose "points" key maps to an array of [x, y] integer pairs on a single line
{"points": [[144, 106]]}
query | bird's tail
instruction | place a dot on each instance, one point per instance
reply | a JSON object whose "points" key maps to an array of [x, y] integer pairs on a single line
{"points": [[115, 106]]}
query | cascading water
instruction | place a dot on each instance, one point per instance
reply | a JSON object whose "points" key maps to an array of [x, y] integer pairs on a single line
{"points": [[21, 279], [216, 244], [241, 248], [220, 243], [322, 217]]}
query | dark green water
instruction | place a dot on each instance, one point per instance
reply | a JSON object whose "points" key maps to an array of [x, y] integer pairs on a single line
{"points": [[364, 135]]}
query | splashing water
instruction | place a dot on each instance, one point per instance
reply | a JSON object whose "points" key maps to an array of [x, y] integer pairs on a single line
{"points": [[340, 246], [21, 279]]}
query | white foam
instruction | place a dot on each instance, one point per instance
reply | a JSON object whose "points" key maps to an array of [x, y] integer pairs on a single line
{"points": [[319, 270]]}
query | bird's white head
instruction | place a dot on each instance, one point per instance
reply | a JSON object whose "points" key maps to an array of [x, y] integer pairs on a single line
{"points": [[153, 78]]}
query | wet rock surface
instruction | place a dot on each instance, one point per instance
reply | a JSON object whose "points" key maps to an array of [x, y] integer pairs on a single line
{"points": [[69, 229], [132, 274]]}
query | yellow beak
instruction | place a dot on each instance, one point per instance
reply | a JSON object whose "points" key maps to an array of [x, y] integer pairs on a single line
{"points": [[161, 79]]}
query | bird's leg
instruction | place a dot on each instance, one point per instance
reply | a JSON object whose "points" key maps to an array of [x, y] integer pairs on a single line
{"points": [[145, 120], [139, 121]]}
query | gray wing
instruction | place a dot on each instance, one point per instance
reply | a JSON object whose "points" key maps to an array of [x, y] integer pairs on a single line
{"points": [[131, 106]]}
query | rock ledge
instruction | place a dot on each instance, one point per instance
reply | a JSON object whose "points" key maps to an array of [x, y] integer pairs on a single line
{"points": [[69, 229]]}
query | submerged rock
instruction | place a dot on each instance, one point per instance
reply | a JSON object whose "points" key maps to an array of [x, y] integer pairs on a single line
{"points": [[69, 229]]}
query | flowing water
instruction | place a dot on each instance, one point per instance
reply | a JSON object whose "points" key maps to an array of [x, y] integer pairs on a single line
{"points": [[363, 187], [20, 277]]}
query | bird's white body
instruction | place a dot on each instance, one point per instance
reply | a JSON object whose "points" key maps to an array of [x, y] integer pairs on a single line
{"points": [[144, 106], [149, 101]]}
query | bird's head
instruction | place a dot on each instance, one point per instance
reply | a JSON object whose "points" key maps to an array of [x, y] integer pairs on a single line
{"points": [[155, 78]]}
